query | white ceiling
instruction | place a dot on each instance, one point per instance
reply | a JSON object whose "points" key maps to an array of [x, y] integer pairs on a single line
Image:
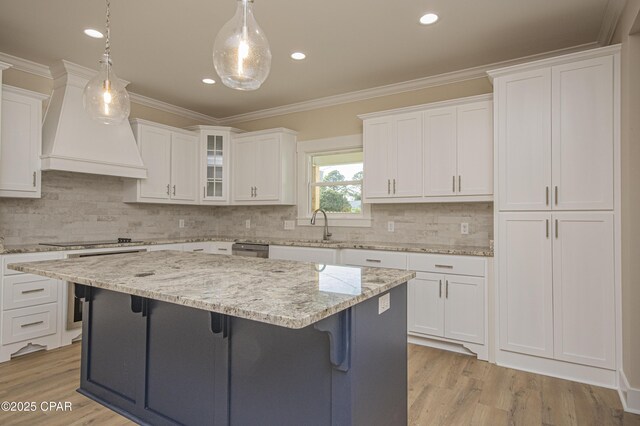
{"points": [[164, 46]]}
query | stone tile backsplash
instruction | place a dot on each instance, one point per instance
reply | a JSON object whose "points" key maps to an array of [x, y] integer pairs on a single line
{"points": [[83, 207]]}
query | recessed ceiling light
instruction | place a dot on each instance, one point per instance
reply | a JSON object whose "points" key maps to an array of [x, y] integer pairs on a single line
{"points": [[93, 33], [298, 56], [208, 81], [428, 19]]}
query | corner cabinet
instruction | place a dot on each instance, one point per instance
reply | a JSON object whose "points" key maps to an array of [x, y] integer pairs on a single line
{"points": [[215, 163], [20, 143], [436, 152], [171, 158], [263, 169]]}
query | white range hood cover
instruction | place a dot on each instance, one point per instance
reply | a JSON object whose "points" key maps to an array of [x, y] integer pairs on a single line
{"points": [[74, 142]]}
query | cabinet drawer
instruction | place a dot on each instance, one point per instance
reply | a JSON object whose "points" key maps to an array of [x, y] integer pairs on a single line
{"points": [[205, 247], [221, 247], [325, 256], [159, 247], [20, 291], [29, 323], [459, 265], [374, 258], [30, 257]]}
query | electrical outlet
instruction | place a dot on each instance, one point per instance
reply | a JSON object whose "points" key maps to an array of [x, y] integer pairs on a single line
{"points": [[181, 223], [391, 226], [289, 225], [384, 303], [464, 228], [247, 223]]}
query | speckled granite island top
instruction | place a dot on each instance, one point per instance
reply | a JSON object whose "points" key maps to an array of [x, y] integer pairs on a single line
{"points": [[285, 293]]}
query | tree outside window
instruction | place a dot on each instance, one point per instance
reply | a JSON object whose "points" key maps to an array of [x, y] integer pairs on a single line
{"points": [[337, 182]]}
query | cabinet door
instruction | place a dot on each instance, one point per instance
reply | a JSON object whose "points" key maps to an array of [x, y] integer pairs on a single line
{"points": [[155, 149], [268, 168], [425, 304], [475, 149], [214, 165], [583, 288], [184, 167], [407, 177], [524, 140], [525, 283], [440, 134], [377, 173], [583, 114], [243, 169], [464, 308], [19, 156]]}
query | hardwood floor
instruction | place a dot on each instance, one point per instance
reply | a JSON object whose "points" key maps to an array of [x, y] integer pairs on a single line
{"points": [[444, 389]]}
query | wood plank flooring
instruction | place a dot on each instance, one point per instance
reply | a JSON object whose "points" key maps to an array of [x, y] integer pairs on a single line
{"points": [[444, 389]]}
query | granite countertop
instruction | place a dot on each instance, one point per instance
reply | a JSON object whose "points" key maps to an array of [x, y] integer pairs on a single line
{"points": [[284, 293], [404, 247]]}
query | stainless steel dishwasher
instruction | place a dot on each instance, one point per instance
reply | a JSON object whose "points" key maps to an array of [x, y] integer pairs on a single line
{"points": [[250, 250]]}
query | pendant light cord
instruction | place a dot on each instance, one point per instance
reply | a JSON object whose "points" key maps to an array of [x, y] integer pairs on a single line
{"points": [[107, 48]]}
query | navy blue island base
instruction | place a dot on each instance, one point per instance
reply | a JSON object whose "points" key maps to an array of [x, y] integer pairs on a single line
{"points": [[160, 363]]}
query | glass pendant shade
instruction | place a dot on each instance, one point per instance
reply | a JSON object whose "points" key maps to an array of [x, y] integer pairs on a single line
{"points": [[241, 54], [105, 98]]}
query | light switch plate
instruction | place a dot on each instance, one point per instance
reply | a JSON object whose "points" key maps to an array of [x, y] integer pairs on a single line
{"points": [[384, 303], [247, 223], [391, 226], [181, 223], [289, 225]]}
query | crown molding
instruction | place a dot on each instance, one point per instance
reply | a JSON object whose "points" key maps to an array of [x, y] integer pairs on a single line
{"points": [[173, 109], [610, 21], [428, 106], [26, 65], [4, 66], [396, 88]]}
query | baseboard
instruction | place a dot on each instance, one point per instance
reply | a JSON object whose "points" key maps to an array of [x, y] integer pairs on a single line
{"points": [[560, 369], [630, 397], [452, 346]]}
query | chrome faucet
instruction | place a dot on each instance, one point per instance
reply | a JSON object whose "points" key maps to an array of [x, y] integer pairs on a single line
{"points": [[326, 234]]}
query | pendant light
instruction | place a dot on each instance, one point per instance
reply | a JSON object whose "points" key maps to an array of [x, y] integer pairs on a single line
{"points": [[241, 54], [105, 98]]}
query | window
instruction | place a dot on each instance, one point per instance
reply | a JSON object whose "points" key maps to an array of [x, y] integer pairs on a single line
{"points": [[330, 175], [336, 182]]}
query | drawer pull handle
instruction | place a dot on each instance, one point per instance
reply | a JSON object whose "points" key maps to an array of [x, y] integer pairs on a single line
{"points": [[374, 260], [444, 266], [35, 290], [197, 250], [223, 249], [31, 324]]}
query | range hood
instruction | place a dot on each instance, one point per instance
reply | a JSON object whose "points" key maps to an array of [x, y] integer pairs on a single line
{"points": [[72, 141]]}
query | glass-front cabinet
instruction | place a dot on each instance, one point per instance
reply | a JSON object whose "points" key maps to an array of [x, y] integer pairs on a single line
{"points": [[215, 151]]}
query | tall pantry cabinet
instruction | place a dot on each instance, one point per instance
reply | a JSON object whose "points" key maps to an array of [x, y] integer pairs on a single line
{"points": [[556, 148]]}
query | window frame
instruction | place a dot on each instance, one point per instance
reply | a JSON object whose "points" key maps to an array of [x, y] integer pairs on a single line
{"points": [[306, 151]]}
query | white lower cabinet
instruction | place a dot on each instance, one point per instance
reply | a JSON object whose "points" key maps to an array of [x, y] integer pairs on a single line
{"points": [[30, 308], [450, 306], [556, 275]]}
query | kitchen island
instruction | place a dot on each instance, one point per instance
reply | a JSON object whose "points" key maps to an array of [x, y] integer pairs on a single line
{"points": [[191, 338]]}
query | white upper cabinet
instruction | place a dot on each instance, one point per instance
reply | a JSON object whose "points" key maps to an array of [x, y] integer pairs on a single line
{"points": [[430, 153], [555, 136], [458, 154], [264, 167], [392, 156], [20, 143], [583, 133], [171, 158], [440, 152], [523, 109], [214, 153]]}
